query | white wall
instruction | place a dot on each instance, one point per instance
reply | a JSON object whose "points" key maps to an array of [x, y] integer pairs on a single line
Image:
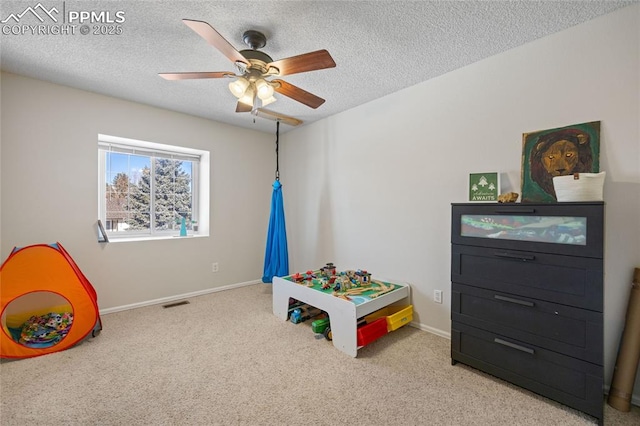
{"points": [[50, 191], [371, 187]]}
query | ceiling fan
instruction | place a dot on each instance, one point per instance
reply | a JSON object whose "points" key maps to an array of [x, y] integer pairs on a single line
{"points": [[256, 70]]}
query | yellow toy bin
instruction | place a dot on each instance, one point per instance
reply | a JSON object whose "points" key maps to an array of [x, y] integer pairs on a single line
{"points": [[397, 316]]}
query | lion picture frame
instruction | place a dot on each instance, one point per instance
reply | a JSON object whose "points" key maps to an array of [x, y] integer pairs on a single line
{"points": [[557, 152]]}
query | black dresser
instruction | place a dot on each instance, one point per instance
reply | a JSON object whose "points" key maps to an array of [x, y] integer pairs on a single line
{"points": [[527, 297]]}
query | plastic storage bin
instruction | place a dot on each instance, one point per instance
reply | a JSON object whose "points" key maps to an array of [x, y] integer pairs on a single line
{"points": [[396, 316], [372, 332], [399, 316]]}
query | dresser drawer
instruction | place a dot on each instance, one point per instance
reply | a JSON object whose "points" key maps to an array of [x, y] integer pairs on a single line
{"points": [[566, 280], [560, 328], [573, 229], [567, 380]]}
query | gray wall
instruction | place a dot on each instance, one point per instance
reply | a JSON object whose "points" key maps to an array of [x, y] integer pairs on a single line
{"points": [[50, 191], [384, 174]]}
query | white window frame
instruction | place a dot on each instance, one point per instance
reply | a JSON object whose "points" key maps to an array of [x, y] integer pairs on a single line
{"points": [[200, 183]]}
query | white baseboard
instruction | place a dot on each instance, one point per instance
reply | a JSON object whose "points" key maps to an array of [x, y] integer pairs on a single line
{"points": [[176, 297], [432, 330]]}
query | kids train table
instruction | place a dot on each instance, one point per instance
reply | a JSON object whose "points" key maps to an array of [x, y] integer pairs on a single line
{"points": [[343, 313]]}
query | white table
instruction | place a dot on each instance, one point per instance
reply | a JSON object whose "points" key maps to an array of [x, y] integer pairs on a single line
{"points": [[343, 314]]}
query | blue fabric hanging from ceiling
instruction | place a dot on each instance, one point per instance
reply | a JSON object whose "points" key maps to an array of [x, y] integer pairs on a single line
{"points": [[276, 257]]}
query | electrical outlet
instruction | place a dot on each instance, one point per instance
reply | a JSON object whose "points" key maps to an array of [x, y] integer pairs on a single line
{"points": [[437, 296], [215, 267]]}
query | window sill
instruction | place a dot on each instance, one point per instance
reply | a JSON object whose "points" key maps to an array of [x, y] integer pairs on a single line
{"points": [[146, 238]]}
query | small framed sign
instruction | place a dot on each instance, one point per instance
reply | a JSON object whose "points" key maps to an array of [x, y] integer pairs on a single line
{"points": [[484, 186]]}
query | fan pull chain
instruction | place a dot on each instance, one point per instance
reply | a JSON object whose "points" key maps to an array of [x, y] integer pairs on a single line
{"points": [[277, 141]]}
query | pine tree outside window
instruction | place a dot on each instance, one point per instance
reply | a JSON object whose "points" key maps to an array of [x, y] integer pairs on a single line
{"points": [[147, 189]]}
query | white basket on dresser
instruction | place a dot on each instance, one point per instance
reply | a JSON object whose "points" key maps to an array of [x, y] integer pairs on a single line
{"points": [[579, 187]]}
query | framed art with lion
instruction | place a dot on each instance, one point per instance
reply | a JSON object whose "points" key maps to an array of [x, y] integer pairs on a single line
{"points": [[557, 152]]}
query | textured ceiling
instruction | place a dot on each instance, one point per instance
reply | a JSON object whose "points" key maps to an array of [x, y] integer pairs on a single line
{"points": [[379, 47]]}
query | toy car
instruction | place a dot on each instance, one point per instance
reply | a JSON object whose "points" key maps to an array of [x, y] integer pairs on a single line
{"points": [[319, 325]]}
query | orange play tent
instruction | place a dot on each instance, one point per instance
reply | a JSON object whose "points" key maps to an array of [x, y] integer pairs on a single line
{"points": [[47, 303]]}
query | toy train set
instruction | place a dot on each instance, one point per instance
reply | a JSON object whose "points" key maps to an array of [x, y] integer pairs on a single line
{"points": [[353, 286], [346, 285]]}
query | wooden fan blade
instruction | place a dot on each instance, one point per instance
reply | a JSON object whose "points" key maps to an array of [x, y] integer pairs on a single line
{"points": [[272, 115], [318, 60], [242, 107], [193, 75], [214, 38], [297, 94]]}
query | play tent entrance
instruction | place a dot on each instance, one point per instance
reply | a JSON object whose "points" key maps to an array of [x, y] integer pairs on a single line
{"points": [[47, 304]]}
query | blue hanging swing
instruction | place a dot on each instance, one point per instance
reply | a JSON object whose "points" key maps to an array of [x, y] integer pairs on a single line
{"points": [[276, 257]]}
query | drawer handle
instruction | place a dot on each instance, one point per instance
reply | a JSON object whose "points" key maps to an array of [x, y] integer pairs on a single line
{"points": [[522, 257], [516, 210], [512, 300], [514, 346]]}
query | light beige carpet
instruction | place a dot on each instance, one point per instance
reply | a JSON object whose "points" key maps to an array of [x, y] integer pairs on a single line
{"points": [[225, 359]]}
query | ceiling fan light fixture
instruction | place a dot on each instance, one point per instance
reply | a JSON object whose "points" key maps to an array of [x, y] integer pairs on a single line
{"points": [[265, 90], [248, 96], [268, 101], [254, 68], [239, 87]]}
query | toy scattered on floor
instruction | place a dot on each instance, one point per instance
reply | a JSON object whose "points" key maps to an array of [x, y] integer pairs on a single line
{"points": [[296, 316], [322, 328], [301, 312], [318, 326], [293, 305]]}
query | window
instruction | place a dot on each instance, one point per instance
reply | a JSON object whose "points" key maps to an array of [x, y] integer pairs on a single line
{"points": [[147, 190]]}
